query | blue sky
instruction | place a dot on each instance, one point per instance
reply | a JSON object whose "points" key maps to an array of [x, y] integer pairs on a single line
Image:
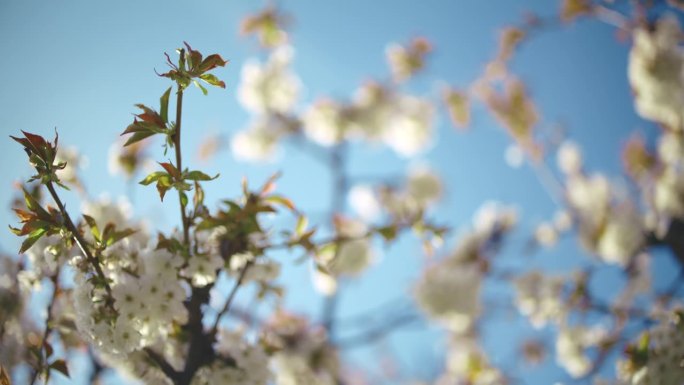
{"points": [[80, 66]]}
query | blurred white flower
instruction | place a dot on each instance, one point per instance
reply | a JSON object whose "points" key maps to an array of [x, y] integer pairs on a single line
{"points": [[325, 123], [671, 148], [105, 211], [250, 364], [668, 193], [405, 61], [364, 202], [562, 221], [569, 158], [590, 196], [259, 142], [538, 296], [546, 234], [571, 344], [323, 282], [494, 215], [467, 363], [270, 87], [656, 65], [423, 185], [293, 369], [514, 156], [450, 294], [74, 162], [622, 236], [373, 106], [410, 128]]}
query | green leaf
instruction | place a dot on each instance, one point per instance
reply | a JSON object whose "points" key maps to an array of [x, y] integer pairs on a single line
{"points": [[213, 80], [171, 169], [93, 226], [31, 239], [211, 62], [198, 199], [302, 222], [153, 177], [201, 87], [183, 199], [138, 136], [34, 206], [162, 188], [173, 245], [116, 236], [60, 366], [199, 176], [281, 200], [389, 233], [150, 116], [164, 106]]}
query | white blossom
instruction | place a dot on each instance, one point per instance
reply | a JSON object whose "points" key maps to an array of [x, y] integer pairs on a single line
{"points": [[569, 158], [259, 142], [514, 156], [450, 294], [202, 269], [325, 122], [546, 234], [656, 65], [538, 296], [571, 345], [270, 87], [622, 236], [494, 215], [410, 128], [364, 202], [423, 185]]}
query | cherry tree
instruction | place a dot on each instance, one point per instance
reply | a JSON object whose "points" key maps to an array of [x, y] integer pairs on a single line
{"points": [[150, 305]]}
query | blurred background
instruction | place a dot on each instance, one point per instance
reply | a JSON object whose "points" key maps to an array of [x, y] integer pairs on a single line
{"points": [[80, 66]]}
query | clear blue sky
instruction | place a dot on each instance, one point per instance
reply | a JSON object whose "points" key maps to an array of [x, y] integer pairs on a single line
{"points": [[81, 65]]}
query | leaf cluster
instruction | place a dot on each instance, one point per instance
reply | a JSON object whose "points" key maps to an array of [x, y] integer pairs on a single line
{"points": [[42, 155], [192, 66]]}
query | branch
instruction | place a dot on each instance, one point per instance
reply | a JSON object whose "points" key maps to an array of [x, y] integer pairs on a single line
{"points": [[230, 298], [48, 328], [165, 367], [339, 192], [82, 244], [179, 162], [377, 332]]}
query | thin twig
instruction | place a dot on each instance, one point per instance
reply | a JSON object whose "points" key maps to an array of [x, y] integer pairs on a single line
{"points": [[165, 367], [377, 332], [339, 192], [48, 327], [81, 243], [230, 298], [179, 162]]}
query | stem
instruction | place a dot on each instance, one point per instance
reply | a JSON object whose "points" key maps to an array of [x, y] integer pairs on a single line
{"points": [[377, 332], [230, 298], [48, 328], [81, 243], [165, 367], [339, 192], [179, 162]]}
